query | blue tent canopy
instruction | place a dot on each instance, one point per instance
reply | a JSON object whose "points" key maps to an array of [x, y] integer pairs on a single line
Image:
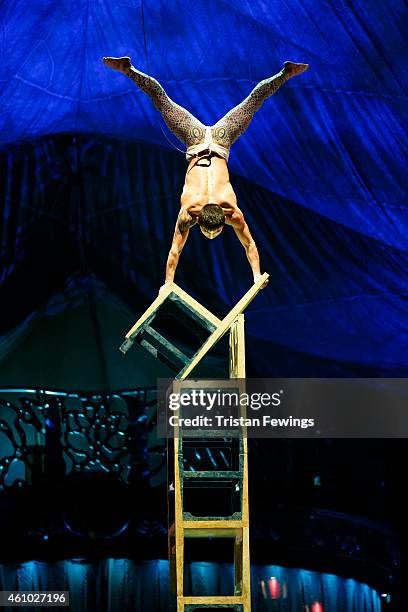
{"points": [[320, 173]]}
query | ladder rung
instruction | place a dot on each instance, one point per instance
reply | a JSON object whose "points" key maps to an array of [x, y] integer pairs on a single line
{"points": [[233, 599], [213, 475], [166, 348], [153, 350], [213, 433], [214, 533], [203, 317], [192, 518], [149, 347], [214, 529], [218, 523]]}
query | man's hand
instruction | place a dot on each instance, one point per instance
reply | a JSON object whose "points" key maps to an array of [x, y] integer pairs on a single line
{"points": [[166, 284], [256, 279]]}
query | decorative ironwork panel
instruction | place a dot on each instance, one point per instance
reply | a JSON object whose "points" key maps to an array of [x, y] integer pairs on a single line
{"points": [[46, 434]]}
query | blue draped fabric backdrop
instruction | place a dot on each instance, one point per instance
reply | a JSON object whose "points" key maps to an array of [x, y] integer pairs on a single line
{"points": [[320, 173], [334, 305], [120, 584]]}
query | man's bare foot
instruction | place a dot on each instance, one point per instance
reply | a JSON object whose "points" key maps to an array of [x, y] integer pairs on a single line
{"points": [[121, 64], [291, 69]]}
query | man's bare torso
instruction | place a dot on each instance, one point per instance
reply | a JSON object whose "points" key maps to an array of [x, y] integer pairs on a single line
{"points": [[207, 182]]}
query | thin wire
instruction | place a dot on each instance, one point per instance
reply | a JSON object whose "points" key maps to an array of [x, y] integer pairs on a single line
{"points": [[144, 36], [148, 73]]}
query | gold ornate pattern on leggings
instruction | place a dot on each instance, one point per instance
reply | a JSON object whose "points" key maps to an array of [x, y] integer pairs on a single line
{"points": [[188, 128]]}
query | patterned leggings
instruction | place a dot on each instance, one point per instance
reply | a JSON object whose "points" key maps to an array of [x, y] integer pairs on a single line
{"points": [[189, 129]]}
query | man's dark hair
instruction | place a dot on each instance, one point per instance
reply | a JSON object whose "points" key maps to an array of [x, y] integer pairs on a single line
{"points": [[211, 217]]}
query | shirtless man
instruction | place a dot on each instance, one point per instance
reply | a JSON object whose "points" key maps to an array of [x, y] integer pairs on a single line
{"points": [[208, 198]]}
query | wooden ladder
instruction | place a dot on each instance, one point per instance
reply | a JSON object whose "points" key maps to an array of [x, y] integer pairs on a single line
{"points": [[175, 302]]}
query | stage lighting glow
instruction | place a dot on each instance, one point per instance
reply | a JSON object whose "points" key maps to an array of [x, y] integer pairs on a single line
{"points": [[274, 587]]}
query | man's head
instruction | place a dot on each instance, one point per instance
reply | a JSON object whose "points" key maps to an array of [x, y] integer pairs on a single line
{"points": [[211, 220]]}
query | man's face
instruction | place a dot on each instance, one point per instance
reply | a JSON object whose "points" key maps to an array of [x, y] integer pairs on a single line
{"points": [[211, 233]]}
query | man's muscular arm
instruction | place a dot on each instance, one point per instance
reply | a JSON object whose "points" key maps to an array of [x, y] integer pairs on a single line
{"points": [[182, 229], [237, 220]]}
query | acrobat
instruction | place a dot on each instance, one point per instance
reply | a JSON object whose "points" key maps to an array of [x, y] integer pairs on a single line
{"points": [[208, 198]]}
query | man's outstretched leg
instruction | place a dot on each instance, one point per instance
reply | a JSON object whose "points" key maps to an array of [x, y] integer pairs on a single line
{"points": [[236, 121], [182, 123]]}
